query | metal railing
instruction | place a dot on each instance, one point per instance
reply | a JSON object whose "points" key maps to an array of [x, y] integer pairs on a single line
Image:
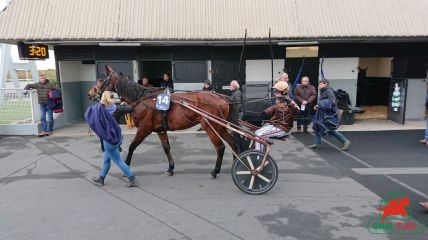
{"points": [[18, 106]]}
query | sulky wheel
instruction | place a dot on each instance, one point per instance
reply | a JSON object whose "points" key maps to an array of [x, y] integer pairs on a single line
{"points": [[248, 179]]}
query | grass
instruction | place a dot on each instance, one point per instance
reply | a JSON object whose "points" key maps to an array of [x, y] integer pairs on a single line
{"points": [[21, 74], [12, 111]]}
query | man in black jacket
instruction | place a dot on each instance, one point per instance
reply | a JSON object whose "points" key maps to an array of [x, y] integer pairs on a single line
{"points": [[237, 96], [167, 82]]}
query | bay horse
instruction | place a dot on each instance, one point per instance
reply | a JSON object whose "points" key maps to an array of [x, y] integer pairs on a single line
{"points": [[148, 119]]}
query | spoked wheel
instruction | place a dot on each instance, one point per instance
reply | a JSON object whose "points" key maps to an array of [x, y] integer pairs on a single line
{"points": [[248, 178]]}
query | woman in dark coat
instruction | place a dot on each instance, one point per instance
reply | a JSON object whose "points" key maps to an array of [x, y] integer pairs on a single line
{"points": [[101, 121]]}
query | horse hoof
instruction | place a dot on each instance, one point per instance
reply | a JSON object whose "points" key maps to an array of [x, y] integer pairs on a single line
{"points": [[213, 175], [169, 174]]}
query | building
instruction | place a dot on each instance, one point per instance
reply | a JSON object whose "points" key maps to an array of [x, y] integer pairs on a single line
{"points": [[367, 45]]}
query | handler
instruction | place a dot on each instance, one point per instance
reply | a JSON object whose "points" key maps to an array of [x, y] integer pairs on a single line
{"points": [[101, 121]]}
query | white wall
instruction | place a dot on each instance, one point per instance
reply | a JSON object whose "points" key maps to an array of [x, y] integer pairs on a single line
{"points": [[87, 73], [342, 74], [340, 68], [376, 67], [261, 70], [69, 71]]}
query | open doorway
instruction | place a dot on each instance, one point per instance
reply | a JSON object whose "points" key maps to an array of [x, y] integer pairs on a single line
{"points": [[154, 70], [374, 77]]}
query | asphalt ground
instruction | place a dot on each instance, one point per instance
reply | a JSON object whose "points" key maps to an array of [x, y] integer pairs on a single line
{"points": [[46, 191], [398, 150]]}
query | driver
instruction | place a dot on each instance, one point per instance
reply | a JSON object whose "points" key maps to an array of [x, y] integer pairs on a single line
{"points": [[281, 114]]}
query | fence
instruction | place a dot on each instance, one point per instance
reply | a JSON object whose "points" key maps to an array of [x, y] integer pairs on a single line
{"points": [[17, 107]]}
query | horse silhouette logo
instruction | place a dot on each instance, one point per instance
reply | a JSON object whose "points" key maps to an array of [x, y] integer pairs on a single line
{"points": [[395, 207], [394, 217]]}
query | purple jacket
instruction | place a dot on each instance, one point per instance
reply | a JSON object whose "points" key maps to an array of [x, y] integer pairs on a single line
{"points": [[103, 124]]}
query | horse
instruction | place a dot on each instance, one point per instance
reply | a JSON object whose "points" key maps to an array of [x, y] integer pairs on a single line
{"points": [[148, 119]]}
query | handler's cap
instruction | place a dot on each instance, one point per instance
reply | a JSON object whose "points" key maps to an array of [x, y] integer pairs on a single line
{"points": [[281, 86]]}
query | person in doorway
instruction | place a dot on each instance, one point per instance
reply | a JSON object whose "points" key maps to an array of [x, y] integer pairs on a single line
{"points": [[425, 140], [237, 96], [326, 118], [281, 114], [100, 119], [304, 94], [43, 87], [284, 77], [167, 82], [207, 86], [146, 83]]}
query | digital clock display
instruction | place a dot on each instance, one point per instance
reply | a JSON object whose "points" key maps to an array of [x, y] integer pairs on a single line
{"points": [[33, 51]]}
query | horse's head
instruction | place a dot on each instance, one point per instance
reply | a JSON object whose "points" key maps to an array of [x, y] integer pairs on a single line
{"points": [[102, 85]]}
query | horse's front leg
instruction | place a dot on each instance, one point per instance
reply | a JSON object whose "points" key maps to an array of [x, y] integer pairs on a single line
{"points": [[139, 137], [163, 137], [219, 147], [220, 153]]}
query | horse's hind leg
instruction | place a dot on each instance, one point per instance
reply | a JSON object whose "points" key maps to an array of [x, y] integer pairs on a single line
{"points": [[163, 136], [139, 137]]}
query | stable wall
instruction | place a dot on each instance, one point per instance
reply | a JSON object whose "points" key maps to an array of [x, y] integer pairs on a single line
{"points": [[342, 74], [415, 101], [260, 71], [76, 80]]}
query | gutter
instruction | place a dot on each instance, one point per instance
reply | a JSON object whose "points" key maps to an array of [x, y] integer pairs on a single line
{"points": [[222, 42]]}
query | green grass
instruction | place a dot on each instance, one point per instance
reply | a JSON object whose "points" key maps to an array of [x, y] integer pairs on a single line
{"points": [[15, 110]]}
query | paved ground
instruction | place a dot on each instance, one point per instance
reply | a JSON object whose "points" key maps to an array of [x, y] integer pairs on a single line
{"points": [[383, 161], [45, 190]]}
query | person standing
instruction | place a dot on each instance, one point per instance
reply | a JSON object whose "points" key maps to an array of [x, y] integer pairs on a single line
{"points": [[326, 119], [43, 87], [284, 77], [304, 94], [237, 96], [425, 140], [146, 83], [100, 119], [207, 86], [167, 82]]}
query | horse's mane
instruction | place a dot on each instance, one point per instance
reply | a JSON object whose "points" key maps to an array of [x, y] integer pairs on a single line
{"points": [[133, 90]]}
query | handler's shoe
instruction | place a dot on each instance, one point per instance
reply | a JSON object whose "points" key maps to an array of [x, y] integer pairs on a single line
{"points": [[314, 146], [98, 180], [424, 204], [424, 141], [42, 134], [345, 145], [132, 181]]}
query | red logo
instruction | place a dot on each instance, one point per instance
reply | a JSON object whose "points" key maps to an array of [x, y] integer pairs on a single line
{"points": [[396, 206], [394, 216]]}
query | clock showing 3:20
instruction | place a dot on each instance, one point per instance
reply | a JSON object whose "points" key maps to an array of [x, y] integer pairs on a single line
{"points": [[33, 51]]}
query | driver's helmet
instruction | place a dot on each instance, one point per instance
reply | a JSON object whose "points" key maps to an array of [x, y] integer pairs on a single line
{"points": [[281, 86]]}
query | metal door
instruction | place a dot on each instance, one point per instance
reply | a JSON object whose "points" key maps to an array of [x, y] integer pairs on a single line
{"points": [[123, 68], [224, 71]]}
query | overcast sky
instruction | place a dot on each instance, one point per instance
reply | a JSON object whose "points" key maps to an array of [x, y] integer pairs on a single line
{"points": [[41, 65]]}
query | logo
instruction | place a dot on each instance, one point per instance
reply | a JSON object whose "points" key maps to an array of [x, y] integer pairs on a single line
{"points": [[394, 217]]}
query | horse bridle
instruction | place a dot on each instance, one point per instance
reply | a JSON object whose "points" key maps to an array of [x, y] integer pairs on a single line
{"points": [[101, 89]]}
